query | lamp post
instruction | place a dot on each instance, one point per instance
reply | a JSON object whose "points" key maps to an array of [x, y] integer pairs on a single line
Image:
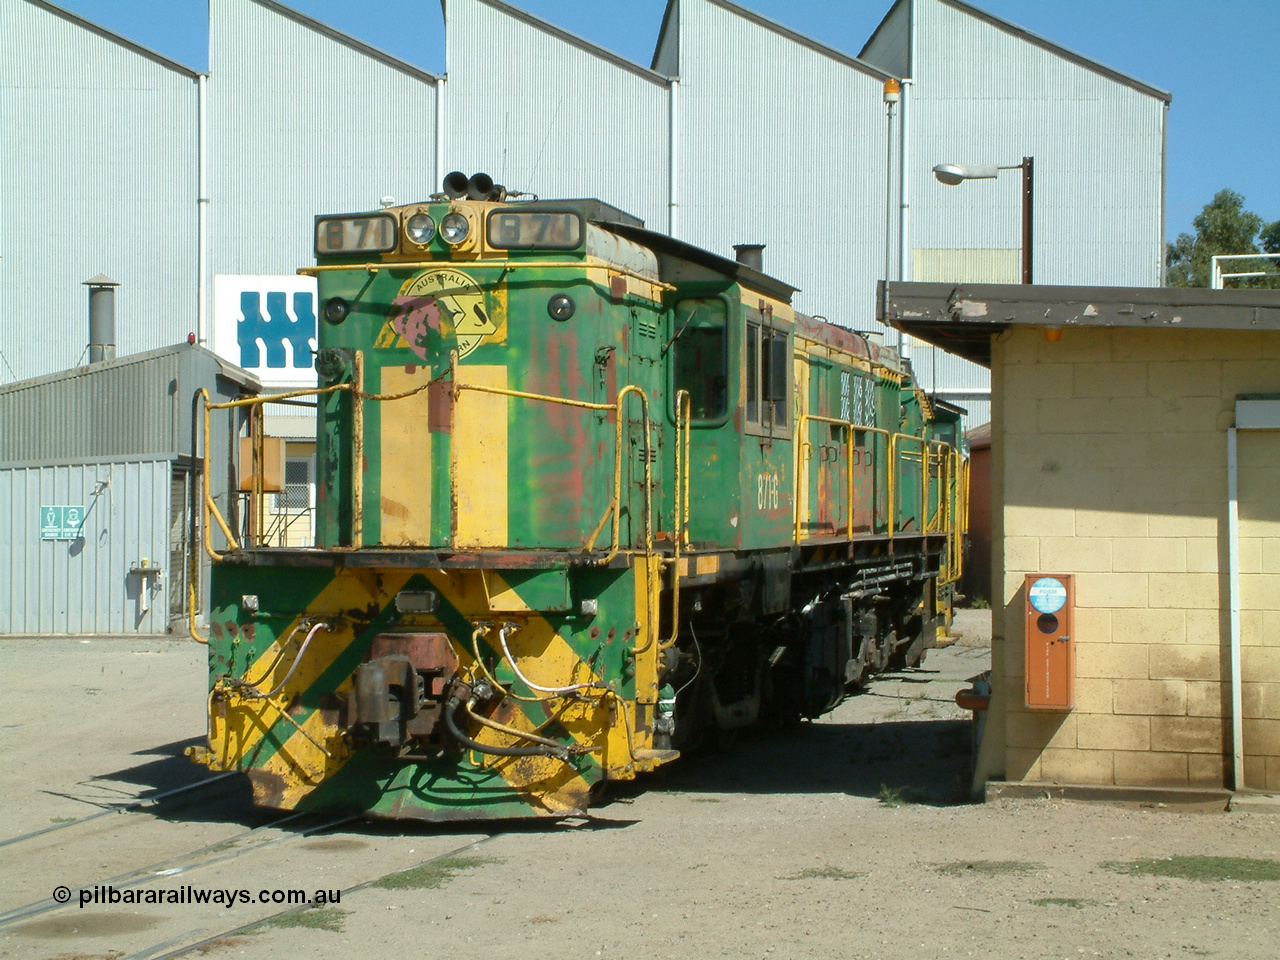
{"points": [[955, 173]]}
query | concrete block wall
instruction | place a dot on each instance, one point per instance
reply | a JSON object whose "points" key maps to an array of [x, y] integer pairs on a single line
{"points": [[1109, 463]]}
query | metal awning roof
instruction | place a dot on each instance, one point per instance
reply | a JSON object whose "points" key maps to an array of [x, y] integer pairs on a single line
{"points": [[961, 318]]}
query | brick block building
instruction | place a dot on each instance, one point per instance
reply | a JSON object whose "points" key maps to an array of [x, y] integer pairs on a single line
{"points": [[1115, 415]]}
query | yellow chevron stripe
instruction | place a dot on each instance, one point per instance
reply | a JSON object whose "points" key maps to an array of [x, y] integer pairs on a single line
{"points": [[547, 659], [237, 726]]}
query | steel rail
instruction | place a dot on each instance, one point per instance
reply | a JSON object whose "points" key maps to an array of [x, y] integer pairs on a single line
{"points": [[117, 808], [140, 875], [148, 952]]}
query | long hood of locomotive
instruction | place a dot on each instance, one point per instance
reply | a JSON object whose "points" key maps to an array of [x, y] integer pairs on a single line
{"points": [[498, 438]]}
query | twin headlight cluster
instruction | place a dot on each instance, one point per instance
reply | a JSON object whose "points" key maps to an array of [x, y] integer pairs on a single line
{"points": [[454, 230], [420, 228]]}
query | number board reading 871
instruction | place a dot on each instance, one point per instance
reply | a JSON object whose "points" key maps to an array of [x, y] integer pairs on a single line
{"points": [[550, 230], [355, 234]]}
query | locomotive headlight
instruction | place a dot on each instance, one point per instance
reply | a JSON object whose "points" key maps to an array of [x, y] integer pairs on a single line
{"points": [[336, 310], [561, 306], [454, 228], [419, 228]]}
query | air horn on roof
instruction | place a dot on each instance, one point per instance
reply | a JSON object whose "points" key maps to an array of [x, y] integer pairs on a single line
{"points": [[479, 186]]}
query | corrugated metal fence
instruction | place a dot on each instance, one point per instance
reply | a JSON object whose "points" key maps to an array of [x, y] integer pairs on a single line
{"points": [[82, 584]]}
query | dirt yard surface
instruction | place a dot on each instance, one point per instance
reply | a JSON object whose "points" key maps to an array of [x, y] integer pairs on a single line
{"points": [[845, 838]]}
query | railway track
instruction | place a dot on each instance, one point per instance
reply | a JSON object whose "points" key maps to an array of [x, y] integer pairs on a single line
{"points": [[133, 806], [204, 856], [154, 952]]}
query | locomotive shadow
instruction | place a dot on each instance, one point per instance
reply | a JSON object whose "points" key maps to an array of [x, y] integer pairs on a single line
{"points": [[165, 767], [230, 801], [906, 761]]}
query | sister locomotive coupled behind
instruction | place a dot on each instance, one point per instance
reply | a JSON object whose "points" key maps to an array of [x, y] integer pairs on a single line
{"points": [[587, 496]]}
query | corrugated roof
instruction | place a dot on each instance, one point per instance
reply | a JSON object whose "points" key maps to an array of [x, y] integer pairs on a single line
{"points": [[1034, 38], [571, 38], [348, 41], [227, 369], [114, 37], [805, 41], [136, 406]]}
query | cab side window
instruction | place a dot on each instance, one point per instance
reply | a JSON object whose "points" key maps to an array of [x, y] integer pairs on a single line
{"points": [[701, 361], [767, 375]]}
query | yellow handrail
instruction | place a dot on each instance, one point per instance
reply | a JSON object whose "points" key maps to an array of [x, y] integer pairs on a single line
{"points": [[943, 513], [211, 510], [850, 426], [614, 509], [505, 264], [924, 478]]}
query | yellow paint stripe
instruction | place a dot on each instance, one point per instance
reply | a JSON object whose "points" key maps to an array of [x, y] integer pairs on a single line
{"points": [[243, 729], [547, 659], [502, 598], [479, 450], [405, 439]]}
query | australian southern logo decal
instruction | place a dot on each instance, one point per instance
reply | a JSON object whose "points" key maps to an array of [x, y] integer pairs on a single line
{"points": [[437, 309]]}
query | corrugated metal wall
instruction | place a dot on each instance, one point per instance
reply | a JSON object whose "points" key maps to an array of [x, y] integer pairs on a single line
{"points": [[302, 122], [84, 585], [986, 95], [784, 145], [542, 113], [123, 408], [779, 141], [99, 147]]}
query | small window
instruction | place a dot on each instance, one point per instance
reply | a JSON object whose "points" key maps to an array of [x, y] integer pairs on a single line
{"points": [[768, 374], [297, 486], [701, 361]]}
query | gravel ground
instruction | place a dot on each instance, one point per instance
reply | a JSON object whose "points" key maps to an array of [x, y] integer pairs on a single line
{"points": [[845, 838]]}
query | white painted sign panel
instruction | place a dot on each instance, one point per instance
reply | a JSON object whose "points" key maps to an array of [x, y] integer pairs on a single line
{"points": [[267, 324]]}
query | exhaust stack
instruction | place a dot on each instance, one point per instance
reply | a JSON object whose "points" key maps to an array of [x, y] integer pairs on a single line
{"points": [[102, 318], [750, 255]]}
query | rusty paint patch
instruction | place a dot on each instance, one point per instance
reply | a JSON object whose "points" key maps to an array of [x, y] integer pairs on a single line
{"points": [[269, 788], [439, 406]]}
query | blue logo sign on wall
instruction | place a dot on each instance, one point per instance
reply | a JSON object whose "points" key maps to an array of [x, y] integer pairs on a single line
{"points": [[267, 324], [276, 329], [1047, 595]]}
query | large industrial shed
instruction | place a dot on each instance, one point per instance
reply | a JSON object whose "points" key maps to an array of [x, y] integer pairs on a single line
{"points": [[1135, 458], [98, 502], [100, 145], [739, 130]]}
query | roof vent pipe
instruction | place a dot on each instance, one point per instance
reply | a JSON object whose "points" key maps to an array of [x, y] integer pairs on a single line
{"points": [[102, 318], [750, 255]]}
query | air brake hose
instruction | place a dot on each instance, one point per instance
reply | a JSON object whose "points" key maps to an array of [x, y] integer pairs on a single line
{"points": [[451, 708]]}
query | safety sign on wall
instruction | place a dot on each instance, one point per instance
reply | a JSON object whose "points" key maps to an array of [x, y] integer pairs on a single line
{"points": [[60, 522]]}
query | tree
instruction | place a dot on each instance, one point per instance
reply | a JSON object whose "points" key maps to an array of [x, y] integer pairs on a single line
{"points": [[1222, 227], [1270, 237]]}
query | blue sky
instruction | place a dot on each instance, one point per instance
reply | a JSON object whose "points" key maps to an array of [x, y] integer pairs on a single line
{"points": [[1219, 58]]}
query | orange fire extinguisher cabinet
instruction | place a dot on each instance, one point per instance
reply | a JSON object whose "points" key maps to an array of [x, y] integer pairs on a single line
{"points": [[1051, 646]]}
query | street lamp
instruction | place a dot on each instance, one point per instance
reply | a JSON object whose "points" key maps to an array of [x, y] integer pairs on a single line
{"points": [[953, 174]]}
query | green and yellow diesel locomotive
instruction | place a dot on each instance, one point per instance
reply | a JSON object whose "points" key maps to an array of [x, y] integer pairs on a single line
{"points": [[587, 496]]}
